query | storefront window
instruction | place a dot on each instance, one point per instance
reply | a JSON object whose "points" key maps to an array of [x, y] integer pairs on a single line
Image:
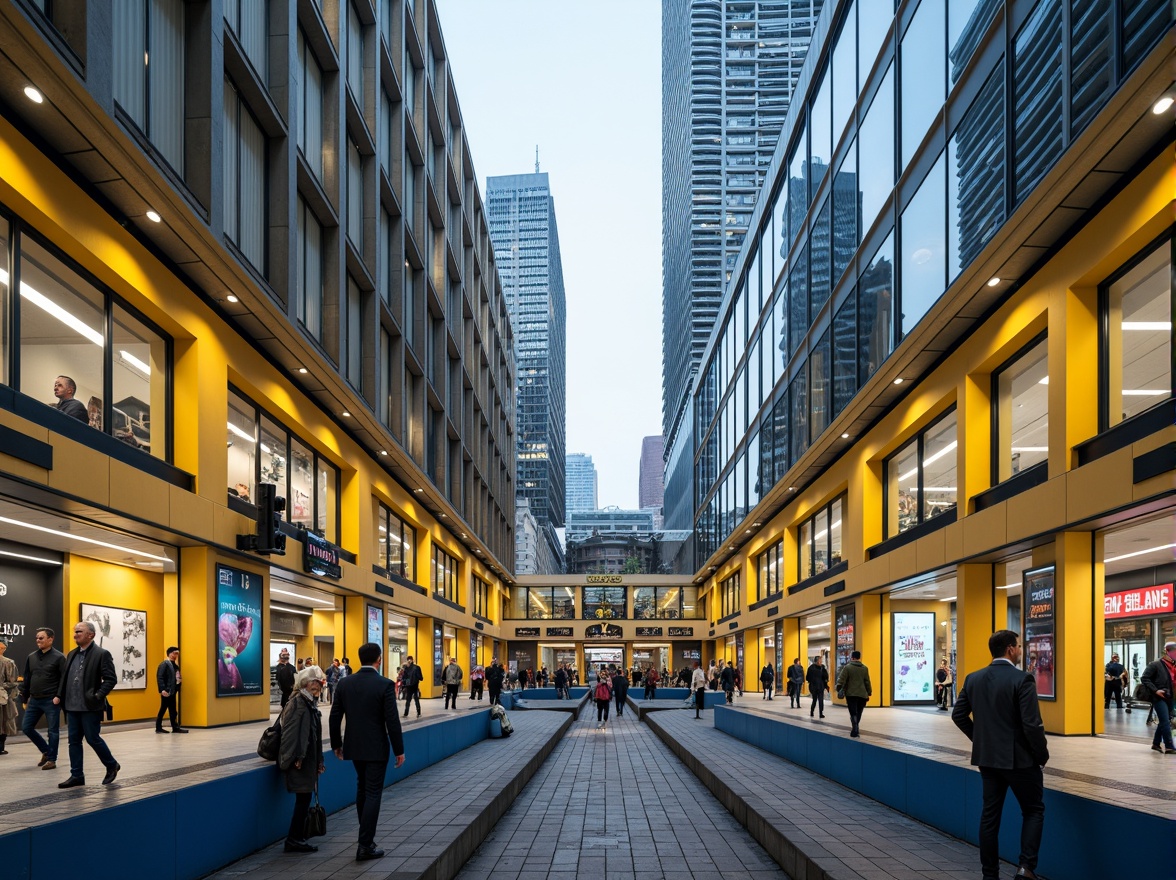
{"points": [[921, 477], [1137, 359], [301, 501], [663, 603], [604, 603], [138, 386], [543, 603], [481, 597], [397, 544], [1021, 398], [443, 576], [242, 448], [326, 499], [816, 627], [729, 595], [770, 571], [819, 546]]}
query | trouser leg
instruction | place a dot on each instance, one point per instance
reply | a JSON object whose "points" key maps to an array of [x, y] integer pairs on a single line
{"points": [[369, 788], [76, 738], [1028, 789], [994, 788], [33, 712], [297, 830], [92, 729]]}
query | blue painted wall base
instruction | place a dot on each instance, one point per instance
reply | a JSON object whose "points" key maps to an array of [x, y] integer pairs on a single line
{"points": [[1077, 842]]}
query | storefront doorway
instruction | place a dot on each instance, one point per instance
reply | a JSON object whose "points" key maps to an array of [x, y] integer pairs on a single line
{"points": [[553, 656], [922, 634], [646, 655], [400, 635], [603, 655]]}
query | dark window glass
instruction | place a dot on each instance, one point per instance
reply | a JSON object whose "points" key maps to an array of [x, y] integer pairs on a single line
{"points": [[875, 310], [798, 194], [924, 248], [819, 260], [821, 147], [975, 176], [845, 353], [923, 86], [798, 300], [1144, 23], [798, 400], [1092, 58], [876, 159], [780, 438], [781, 311], [755, 487], [967, 20], [1037, 96], [780, 224], [845, 213], [767, 441], [820, 391]]}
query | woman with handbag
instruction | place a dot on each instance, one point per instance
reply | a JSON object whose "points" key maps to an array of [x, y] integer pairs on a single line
{"points": [[301, 757], [8, 690]]}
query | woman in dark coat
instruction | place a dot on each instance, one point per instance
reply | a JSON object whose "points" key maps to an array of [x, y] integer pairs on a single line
{"points": [[818, 682], [301, 755]]}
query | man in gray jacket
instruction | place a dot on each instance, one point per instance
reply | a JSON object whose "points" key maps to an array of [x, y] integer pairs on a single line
{"points": [[451, 678]]}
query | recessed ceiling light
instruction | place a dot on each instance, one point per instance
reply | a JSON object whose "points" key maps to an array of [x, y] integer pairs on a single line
{"points": [[153, 216], [844, 436], [444, 516], [993, 281], [231, 298], [747, 531], [1161, 106], [345, 414], [418, 491], [898, 381], [383, 452], [36, 97], [791, 488], [302, 370]]}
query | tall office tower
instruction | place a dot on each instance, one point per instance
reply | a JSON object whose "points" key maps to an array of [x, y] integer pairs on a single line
{"points": [[651, 488], [729, 68], [582, 484], [526, 243]]}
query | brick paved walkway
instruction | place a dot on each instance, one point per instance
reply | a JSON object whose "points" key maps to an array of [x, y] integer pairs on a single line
{"points": [[616, 804]]}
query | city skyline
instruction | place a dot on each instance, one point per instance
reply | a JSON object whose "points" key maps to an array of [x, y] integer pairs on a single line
{"points": [[608, 192]]}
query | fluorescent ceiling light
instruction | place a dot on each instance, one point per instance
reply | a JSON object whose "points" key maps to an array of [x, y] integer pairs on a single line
{"points": [[1030, 449], [1139, 553], [1143, 392], [73, 537], [1043, 381], [32, 558], [133, 361], [235, 430], [1008, 586], [817, 626], [302, 597], [274, 607], [1146, 325], [67, 318], [938, 455], [934, 488], [948, 599]]}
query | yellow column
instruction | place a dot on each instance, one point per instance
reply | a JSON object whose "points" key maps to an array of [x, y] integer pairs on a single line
{"points": [[423, 654], [794, 643], [1073, 371], [976, 617], [873, 640]]}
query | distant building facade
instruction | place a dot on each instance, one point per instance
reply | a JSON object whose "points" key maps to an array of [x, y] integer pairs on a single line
{"points": [[582, 482], [651, 475]]}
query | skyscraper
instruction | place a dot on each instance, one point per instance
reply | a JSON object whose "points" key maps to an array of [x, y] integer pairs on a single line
{"points": [[729, 68], [523, 230], [582, 486], [650, 488]]}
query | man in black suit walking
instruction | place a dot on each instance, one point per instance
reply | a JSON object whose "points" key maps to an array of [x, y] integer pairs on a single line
{"points": [[89, 677], [997, 710], [368, 701]]}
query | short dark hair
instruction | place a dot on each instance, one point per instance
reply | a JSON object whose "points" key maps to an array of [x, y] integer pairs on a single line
{"points": [[369, 653], [1000, 642], [170, 650], [346, 659], [70, 383], [47, 631], [856, 655]]}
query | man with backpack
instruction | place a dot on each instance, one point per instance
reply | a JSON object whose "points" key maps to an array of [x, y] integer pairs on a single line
{"points": [[603, 696], [767, 679], [412, 685]]}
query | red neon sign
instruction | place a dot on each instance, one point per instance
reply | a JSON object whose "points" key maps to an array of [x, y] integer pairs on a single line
{"points": [[1141, 602]]}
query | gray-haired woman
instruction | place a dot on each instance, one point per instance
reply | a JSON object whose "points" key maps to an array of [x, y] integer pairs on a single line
{"points": [[301, 756]]}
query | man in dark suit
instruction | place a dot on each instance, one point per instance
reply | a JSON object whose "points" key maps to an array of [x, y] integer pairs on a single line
{"points": [[368, 701], [89, 677], [997, 710]]}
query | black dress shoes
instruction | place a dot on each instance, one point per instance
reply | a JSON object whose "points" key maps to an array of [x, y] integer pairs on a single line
{"points": [[367, 853], [179, 730], [111, 773], [71, 782], [161, 730], [299, 846], [1026, 873]]}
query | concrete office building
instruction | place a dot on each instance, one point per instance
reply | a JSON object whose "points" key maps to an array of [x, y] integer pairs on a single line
{"points": [[651, 473], [523, 230], [582, 482], [729, 69], [248, 233]]}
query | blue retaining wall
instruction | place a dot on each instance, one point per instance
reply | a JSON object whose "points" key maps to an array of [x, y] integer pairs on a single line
{"points": [[192, 831], [1076, 843], [710, 698]]}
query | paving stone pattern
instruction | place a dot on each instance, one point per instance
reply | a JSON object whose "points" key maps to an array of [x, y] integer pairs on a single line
{"points": [[429, 822], [616, 804], [813, 826]]}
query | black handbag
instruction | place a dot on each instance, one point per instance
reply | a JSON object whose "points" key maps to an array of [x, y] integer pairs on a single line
{"points": [[1142, 693], [316, 817]]}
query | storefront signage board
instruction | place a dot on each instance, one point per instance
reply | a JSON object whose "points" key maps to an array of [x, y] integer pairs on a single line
{"points": [[438, 652], [526, 632], [375, 625], [1040, 628], [240, 660], [846, 623], [604, 631], [649, 631], [1140, 602], [559, 632], [603, 579], [320, 556], [681, 632], [914, 656]]}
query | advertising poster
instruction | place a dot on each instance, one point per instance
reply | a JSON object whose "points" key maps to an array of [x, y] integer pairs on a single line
{"points": [[123, 633], [914, 656], [1039, 618], [846, 622], [240, 651], [375, 625]]}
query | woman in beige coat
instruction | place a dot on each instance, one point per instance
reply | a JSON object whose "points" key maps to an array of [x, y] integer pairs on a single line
{"points": [[8, 688]]}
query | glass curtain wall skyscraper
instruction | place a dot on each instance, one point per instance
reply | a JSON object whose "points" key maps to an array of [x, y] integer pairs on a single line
{"points": [[581, 475], [523, 230], [729, 68]]}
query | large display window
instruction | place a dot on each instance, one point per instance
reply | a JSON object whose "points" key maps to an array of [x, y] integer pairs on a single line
{"points": [[913, 656]]}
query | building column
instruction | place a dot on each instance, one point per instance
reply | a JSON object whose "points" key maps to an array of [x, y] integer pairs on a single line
{"points": [[976, 617], [1080, 635], [873, 640]]}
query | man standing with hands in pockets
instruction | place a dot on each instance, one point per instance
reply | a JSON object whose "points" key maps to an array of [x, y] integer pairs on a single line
{"points": [[368, 701], [997, 710]]}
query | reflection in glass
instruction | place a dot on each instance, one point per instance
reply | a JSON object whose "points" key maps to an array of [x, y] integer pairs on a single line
{"points": [[798, 300], [782, 348], [1139, 340], [902, 510], [875, 311], [780, 443], [62, 330], [274, 456], [845, 212], [975, 176], [4, 307], [755, 487], [242, 440], [1037, 96], [798, 193], [876, 159], [138, 389], [1022, 413], [819, 260], [604, 603], [821, 146], [924, 249], [939, 468], [873, 21], [798, 399], [301, 501], [923, 88], [767, 355], [967, 20], [845, 353], [844, 74], [327, 521], [819, 387], [1092, 58]]}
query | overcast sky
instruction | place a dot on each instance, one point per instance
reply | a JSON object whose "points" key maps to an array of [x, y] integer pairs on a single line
{"points": [[583, 81]]}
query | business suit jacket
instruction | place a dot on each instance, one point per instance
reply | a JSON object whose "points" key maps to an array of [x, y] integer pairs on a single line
{"points": [[997, 710], [368, 701], [165, 677], [98, 677]]}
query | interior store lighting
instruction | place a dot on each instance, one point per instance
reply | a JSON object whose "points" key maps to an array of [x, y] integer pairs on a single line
{"points": [[1139, 553], [48, 531], [12, 555], [233, 429], [1143, 392], [274, 607], [130, 360], [302, 597], [931, 460], [65, 317], [1146, 325]]}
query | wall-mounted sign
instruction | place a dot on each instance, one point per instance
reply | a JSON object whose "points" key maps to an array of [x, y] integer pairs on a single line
{"points": [[1040, 628], [604, 579], [1141, 602], [239, 637], [563, 632], [375, 625], [526, 632], [603, 631], [845, 622], [681, 632], [914, 656], [649, 631], [320, 556]]}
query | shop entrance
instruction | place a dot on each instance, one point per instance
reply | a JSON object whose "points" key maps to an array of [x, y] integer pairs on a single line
{"points": [[657, 656], [554, 656], [602, 655]]}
